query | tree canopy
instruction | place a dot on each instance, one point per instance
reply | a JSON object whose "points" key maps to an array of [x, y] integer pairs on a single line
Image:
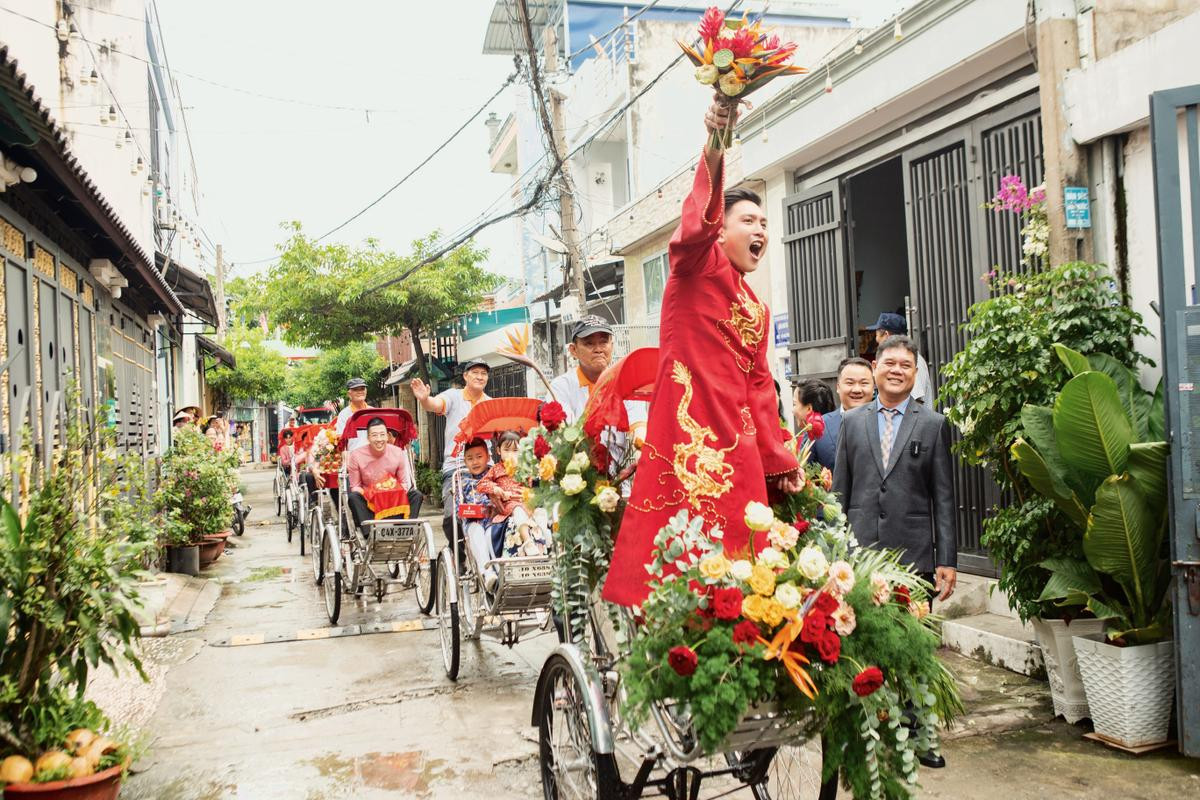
{"points": [[311, 383], [324, 295], [260, 374]]}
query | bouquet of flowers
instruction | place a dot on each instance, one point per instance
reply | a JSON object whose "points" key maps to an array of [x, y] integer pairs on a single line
{"points": [[387, 498], [739, 58]]}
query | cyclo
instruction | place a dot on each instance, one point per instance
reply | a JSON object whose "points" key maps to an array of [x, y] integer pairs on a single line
{"points": [[587, 745], [295, 493], [520, 599], [392, 551]]}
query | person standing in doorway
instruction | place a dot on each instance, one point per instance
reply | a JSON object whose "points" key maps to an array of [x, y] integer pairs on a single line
{"points": [[895, 325], [855, 387], [454, 404]]}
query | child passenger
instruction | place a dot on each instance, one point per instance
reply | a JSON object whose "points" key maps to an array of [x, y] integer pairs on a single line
{"points": [[513, 532]]}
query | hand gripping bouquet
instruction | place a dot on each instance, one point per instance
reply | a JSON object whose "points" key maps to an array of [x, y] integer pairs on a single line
{"points": [[738, 57]]}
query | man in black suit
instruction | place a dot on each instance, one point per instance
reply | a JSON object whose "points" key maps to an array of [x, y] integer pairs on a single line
{"points": [[893, 471], [855, 387]]}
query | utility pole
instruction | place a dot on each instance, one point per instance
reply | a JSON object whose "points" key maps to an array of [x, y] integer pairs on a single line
{"points": [[553, 126], [220, 287]]}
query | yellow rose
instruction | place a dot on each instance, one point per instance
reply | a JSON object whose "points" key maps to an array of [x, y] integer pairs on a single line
{"points": [[772, 611], [752, 607], [762, 580], [547, 467], [714, 567]]}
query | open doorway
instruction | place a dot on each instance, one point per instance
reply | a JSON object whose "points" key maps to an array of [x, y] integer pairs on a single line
{"points": [[878, 248]]}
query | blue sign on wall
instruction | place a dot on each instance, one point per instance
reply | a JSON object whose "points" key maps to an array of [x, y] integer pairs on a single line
{"points": [[1077, 207], [783, 334]]}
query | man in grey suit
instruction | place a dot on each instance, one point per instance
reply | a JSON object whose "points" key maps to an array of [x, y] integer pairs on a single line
{"points": [[893, 471], [855, 387]]}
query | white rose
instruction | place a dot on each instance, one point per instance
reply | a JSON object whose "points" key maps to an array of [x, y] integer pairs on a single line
{"points": [[812, 563], [759, 517], [578, 463], [788, 595], [608, 499], [572, 483], [772, 558], [741, 569]]}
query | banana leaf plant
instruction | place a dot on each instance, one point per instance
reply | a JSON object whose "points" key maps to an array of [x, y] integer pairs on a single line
{"points": [[1098, 455]]}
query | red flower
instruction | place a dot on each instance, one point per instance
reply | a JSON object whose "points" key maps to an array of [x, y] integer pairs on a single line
{"points": [[826, 603], [601, 458], [711, 23], [801, 525], [829, 647], [683, 660], [541, 448], [553, 415], [746, 632], [728, 603], [815, 625], [816, 425], [901, 595], [867, 681], [742, 44]]}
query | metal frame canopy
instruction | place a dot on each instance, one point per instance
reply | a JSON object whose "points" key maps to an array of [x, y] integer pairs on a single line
{"points": [[1177, 235]]}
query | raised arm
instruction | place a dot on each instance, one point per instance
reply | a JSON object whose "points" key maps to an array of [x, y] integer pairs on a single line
{"points": [[429, 402], [703, 209]]}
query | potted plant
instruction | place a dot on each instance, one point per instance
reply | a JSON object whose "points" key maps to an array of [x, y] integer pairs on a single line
{"points": [[1098, 455], [1008, 363], [195, 494], [74, 538]]}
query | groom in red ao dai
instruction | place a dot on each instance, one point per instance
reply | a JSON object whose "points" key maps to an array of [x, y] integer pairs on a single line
{"points": [[713, 440]]}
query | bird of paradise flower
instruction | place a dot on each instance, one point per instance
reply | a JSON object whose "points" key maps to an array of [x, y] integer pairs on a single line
{"points": [[518, 351]]}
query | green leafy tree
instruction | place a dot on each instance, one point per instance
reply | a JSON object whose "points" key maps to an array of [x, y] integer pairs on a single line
{"points": [[316, 381], [329, 295], [246, 296], [260, 374]]}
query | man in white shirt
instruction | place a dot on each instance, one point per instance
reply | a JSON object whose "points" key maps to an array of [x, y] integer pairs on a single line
{"points": [[895, 325], [356, 390], [454, 404]]}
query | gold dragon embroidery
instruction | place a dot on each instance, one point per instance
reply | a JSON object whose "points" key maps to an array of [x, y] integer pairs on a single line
{"points": [[747, 319], [700, 468]]}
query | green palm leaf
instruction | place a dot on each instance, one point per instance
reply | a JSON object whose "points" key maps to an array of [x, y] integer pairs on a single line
{"points": [[1122, 540], [1091, 426], [1048, 482]]}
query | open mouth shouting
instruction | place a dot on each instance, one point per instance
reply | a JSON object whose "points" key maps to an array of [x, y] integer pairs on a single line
{"points": [[757, 247]]}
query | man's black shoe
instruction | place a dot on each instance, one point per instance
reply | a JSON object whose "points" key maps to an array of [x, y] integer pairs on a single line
{"points": [[932, 761]]}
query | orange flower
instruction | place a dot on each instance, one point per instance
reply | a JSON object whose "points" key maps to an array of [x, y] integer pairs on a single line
{"points": [[780, 648]]}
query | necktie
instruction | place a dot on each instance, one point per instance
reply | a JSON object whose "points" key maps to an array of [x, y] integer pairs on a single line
{"points": [[885, 446]]}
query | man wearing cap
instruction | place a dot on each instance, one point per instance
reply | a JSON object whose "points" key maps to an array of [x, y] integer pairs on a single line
{"points": [[454, 404], [356, 390], [895, 325]]}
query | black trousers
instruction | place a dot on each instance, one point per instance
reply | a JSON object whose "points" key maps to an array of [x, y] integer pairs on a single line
{"points": [[362, 512]]}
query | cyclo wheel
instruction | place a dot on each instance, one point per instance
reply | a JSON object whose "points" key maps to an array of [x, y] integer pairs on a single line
{"points": [[571, 768], [332, 584], [316, 552], [794, 773], [425, 565], [447, 612], [301, 516], [278, 489]]}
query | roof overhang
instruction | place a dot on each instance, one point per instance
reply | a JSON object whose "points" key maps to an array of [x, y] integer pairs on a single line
{"points": [[409, 368], [503, 36], [223, 356], [192, 289], [599, 277], [26, 125]]}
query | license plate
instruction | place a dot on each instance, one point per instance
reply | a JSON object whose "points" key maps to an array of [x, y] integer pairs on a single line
{"points": [[392, 533]]}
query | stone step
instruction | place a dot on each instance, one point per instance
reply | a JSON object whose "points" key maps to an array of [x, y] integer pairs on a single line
{"points": [[996, 639]]}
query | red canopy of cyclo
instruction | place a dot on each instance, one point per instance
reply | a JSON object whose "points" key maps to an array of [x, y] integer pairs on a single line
{"points": [[631, 378], [302, 436], [490, 417], [397, 420]]}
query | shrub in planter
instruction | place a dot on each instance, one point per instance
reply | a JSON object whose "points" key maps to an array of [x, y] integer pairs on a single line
{"points": [[71, 552], [196, 488], [1008, 363]]}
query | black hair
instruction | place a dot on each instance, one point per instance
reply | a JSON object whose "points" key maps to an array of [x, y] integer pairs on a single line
{"points": [[895, 341], [853, 361], [287, 432], [816, 393], [733, 196], [375, 421], [476, 442], [502, 438]]}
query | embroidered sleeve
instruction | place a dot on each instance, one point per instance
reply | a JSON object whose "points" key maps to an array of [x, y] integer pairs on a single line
{"points": [[699, 222], [777, 457]]}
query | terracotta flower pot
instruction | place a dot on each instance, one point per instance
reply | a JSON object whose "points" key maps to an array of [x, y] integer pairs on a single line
{"points": [[211, 548], [104, 785]]}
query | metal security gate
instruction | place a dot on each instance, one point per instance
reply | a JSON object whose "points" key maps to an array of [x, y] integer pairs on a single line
{"points": [[817, 282], [507, 380], [1173, 127]]}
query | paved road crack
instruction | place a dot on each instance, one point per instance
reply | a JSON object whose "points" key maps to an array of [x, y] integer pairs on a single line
{"points": [[415, 693]]}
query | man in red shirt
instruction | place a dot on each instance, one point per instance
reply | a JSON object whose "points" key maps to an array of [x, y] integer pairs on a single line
{"points": [[713, 441], [367, 466]]}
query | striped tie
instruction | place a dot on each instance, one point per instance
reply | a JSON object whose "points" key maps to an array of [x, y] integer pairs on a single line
{"points": [[885, 446]]}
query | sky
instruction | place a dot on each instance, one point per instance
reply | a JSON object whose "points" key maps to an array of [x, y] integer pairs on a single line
{"points": [[263, 162]]}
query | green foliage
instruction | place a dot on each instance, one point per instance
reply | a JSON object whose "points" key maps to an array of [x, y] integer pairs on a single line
{"points": [[247, 299], [1007, 364], [260, 374], [325, 295], [429, 479], [71, 553], [1112, 489], [195, 493], [313, 382]]}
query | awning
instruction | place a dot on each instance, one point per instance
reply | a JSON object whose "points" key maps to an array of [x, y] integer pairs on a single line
{"points": [[599, 277], [223, 356], [191, 288], [409, 368]]}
